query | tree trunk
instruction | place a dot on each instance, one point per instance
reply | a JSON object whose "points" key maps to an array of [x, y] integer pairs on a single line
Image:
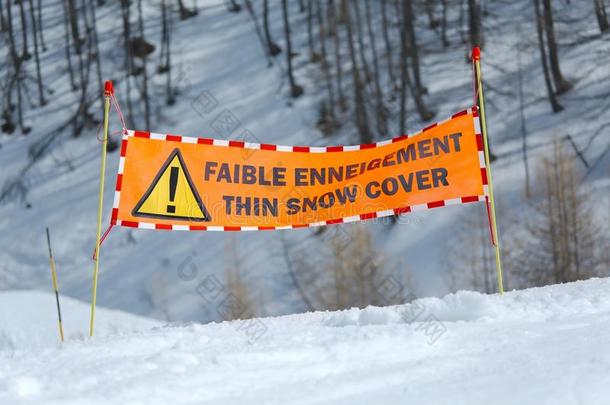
{"points": [[545, 68], [233, 7], [73, 18], [90, 41], [523, 127], [417, 89], [165, 64], [381, 110], [3, 27], [24, 130], [41, 99], [295, 89], [185, 13], [258, 31], [96, 47], [404, 75], [388, 43], [274, 49], [8, 126], [40, 30], [313, 55], [330, 120], [413, 47], [359, 107], [144, 71], [68, 50], [561, 84], [128, 59], [332, 15], [77, 42], [26, 55], [474, 23], [17, 79], [602, 16], [361, 47], [444, 24], [429, 6]]}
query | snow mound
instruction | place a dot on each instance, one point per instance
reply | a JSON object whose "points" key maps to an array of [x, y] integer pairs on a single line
{"points": [[535, 304], [546, 345], [29, 320]]}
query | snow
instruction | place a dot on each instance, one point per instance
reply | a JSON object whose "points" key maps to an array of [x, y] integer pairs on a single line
{"points": [[544, 345], [547, 345], [220, 64], [29, 319]]}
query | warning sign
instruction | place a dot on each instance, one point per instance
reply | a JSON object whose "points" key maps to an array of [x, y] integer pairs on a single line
{"points": [[172, 194], [175, 182]]}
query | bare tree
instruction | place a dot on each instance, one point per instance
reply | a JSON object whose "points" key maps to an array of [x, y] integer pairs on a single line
{"points": [[185, 13], [475, 24], [405, 80], [128, 64], [429, 8], [358, 26], [345, 274], [444, 24], [40, 26], [15, 80], [313, 55], [94, 42], [299, 286], [68, 47], [274, 49], [25, 55], [165, 63], [362, 123], [601, 14], [258, 31], [144, 56], [523, 125], [413, 48], [244, 303], [563, 239], [472, 268], [333, 22], [408, 48], [327, 123], [561, 84], [3, 27], [233, 6], [41, 99], [295, 90], [545, 66], [381, 111], [8, 126], [387, 42], [74, 28], [156, 292]]}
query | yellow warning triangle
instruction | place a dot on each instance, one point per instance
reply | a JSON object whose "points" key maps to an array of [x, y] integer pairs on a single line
{"points": [[172, 194]]}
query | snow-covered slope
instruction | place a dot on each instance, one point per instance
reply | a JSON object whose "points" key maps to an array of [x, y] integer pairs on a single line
{"points": [[547, 345], [29, 320], [220, 64]]}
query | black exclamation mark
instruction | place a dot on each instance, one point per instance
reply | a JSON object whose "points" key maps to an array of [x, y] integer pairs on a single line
{"points": [[173, 182]]}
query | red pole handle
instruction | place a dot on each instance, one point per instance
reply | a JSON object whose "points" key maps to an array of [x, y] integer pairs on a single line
{"points": [[108, 89], [476, 53]]}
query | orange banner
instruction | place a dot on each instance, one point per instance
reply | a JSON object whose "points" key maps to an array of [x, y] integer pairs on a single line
{"points": [[182, 183]]}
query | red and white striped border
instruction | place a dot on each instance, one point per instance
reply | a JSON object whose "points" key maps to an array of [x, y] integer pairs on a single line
{"points": [[481, 150], [306, 149]]}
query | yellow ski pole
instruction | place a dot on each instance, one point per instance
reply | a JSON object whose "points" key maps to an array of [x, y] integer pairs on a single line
{"points": [[476, 58], [54, 278], [108, 92]]}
